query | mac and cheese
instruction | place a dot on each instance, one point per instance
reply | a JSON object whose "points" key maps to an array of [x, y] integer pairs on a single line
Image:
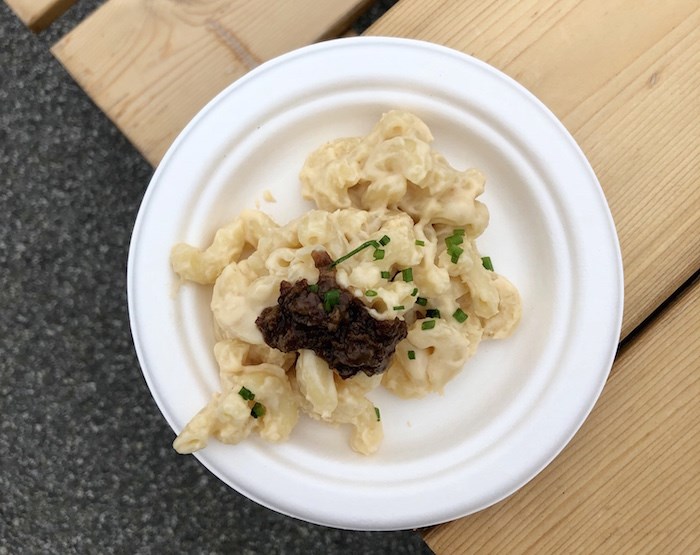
{"points": [[388, 189]]}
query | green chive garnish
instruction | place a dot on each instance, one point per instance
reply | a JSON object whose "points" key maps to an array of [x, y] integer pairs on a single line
{"points": [[399, 307], [384, 241], [370, 293], [454, 240], [411, 355], [330, 299], [379, 416], [486, 261], [432, 313], [460, 315], [258, 410], [420, 243], [378, 254], [313, 287], [366, 244], [407, 274], [414, 292], [386, 275], [428, 325], [421, 301], [246, 393]]}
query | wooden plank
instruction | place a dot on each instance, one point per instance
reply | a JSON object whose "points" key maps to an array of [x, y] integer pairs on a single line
{"points": [[150, 65], [623, 76], [629, 482], [39, 14]]}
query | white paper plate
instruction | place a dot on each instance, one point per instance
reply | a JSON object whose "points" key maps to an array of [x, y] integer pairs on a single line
{"points": [[517, 402]]}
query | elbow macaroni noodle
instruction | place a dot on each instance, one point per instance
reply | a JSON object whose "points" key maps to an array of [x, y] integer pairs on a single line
{"points": [[389, 183]]}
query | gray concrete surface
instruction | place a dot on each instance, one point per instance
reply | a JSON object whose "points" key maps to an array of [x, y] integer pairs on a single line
{"points": [[86, 464]]}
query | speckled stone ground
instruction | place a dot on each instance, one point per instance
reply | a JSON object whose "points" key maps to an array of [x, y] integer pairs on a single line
{"points": [[86, 464]]}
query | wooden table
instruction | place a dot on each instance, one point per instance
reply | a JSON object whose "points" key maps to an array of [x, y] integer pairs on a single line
{"points": [[623, 76]]}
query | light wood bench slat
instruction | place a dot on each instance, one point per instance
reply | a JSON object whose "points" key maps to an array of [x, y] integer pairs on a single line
{"points": [[39, 14], [629, 481], [150, 65], [623, 77]]}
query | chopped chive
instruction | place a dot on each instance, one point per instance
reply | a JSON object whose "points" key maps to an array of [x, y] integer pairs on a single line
{"points": [[400, 307], [384, 241], [366, 244], [414, 292], [486, 261], [246, 393], [313, 287], [370, 293], [411, 355], [379, 416], [460, 315], [422, 301], [378, 254], [407, 274], [454, 240], [420, 243], [330, 299], [258, 410], [428, 325], [455, 251], [386, 275], [432, 313]]}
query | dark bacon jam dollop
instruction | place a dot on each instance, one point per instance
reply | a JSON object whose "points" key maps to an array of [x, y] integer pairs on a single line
{"points": [[329, 320]]}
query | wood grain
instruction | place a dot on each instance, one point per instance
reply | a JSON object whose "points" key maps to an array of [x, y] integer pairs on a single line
{"points": [[629, 482], [623, 76], [150, 65], [39, 14]]}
